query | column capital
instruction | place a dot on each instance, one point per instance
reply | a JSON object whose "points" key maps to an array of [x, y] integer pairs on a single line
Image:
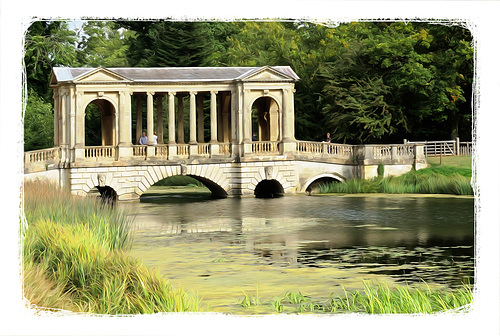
{"points": [[192, 93], [214, 92], [150, 93], [170, 93]]}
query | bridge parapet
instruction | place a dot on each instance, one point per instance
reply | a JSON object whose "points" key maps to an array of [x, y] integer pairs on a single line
{"points": [[366, 156]]}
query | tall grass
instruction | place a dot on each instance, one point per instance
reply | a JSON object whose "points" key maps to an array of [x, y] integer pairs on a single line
{"points": [[435, 180], [373, 299], [77, 246], [379, 299]]}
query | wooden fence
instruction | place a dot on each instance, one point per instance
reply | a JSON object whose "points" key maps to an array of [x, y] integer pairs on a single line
{"points": [[447, 147]]}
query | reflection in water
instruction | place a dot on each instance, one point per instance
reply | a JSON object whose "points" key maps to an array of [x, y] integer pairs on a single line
{"points": [[334, 239]]}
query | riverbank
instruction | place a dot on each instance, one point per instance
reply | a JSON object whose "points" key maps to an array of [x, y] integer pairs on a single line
{"points": [[76, 258], [453, 178]]}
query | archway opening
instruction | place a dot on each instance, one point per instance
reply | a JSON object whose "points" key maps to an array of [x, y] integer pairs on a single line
{"points": [[321, 185], [269, 189], [100, 123], [182, 189], [106, 194], [265, 120]]}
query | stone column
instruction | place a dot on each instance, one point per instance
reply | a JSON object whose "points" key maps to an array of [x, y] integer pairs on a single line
{"points": [[56, 118], [124, 120], [72, 118], [159, 118], [213, 116], [192, 118], [288, 140], [171, 117], [200, 118], [150, 150], [214, 145], [150, 120], [80, 128], [125, 125], [247, 123], [180, 119], [64, 127], [138, 119]]}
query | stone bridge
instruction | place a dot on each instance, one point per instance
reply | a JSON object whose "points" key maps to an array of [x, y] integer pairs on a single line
{"points": [[263, 172], [240, 141]]}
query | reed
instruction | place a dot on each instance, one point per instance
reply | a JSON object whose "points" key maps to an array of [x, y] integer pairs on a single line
{"points": [[373, 299], [78, 247], [426, 181], [380, 299]]}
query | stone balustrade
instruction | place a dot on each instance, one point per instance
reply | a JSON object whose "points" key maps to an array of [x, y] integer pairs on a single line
{"points": [[42, 155], [305, 150], [265, 147], [100, 152]]}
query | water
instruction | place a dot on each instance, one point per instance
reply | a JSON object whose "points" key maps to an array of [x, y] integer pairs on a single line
{"points": [[224, 248]]}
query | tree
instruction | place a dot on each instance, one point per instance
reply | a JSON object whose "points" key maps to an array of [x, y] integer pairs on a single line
{"points": [[47, 44], [395, 80], [38, 123], [103, 43], [174, 43]]}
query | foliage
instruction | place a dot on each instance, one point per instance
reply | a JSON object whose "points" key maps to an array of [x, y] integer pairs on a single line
{"points": [[47, 44], [373, 299], [102, 44], [380, 299], [435, 180], [175, 43], [393, 80], [77, 248], [38, 123], [179, 180]]}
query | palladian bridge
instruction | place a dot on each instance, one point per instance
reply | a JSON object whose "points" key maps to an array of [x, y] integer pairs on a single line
{"points": [[232, 128]]}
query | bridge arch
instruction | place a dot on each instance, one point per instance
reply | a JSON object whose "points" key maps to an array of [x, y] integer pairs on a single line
{"points": [[145, 177], [269, 189], [333, 176]]}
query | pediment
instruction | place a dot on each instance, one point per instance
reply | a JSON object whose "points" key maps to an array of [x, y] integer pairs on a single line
{"points": [[101, 75], [265, 74]]}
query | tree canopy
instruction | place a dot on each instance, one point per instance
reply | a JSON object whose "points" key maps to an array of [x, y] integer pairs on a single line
{"points": [[361, 81]]}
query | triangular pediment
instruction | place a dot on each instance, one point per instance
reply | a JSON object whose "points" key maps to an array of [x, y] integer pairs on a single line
{"points": [[265, 74], [101, 75]]}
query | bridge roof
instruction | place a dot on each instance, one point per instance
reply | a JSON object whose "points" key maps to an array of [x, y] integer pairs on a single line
{"points": [[177, 74]]}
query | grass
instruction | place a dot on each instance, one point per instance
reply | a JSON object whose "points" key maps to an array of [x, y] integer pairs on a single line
{"points": [[179, 180], [373, 299], [379, 299], [75, 258], [452, 178]]}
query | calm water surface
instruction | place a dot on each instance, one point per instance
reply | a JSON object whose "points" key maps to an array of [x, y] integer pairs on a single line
{"points": [[313, 244]]}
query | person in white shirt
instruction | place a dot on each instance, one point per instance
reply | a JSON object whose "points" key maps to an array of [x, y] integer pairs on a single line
{"points": [[144, 139]]}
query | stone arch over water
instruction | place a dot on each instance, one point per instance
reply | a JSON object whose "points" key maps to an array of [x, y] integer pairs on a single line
{"points": [[322, 178], [269, 189]]}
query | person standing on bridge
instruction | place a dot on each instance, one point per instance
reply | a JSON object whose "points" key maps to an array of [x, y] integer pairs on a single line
{"points": [[328, 139], [144, 139], [155, 138]]}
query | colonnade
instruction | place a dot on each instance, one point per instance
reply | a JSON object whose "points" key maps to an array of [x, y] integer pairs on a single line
{"points": [[219, 117]]}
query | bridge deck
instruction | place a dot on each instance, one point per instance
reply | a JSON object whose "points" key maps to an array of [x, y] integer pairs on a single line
{"points": [[344, 154]]}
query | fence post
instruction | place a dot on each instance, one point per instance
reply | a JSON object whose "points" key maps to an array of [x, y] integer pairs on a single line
{"points": [[457, 142]]}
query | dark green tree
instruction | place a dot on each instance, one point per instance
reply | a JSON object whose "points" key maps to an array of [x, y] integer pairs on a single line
{"points": [[175, 43], [103, 43], [395, 80], [47, 44]]}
